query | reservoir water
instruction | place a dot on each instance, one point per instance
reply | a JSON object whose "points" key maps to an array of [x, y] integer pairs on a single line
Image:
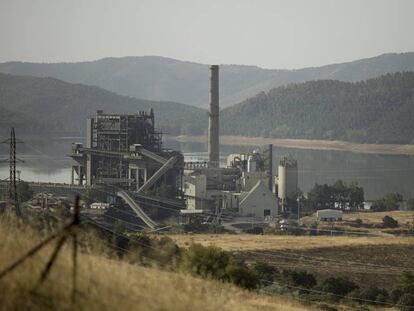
{"points": [[377, 174]]}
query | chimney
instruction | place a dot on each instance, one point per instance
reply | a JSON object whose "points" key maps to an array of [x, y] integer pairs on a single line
{"points": [[213, 121]]}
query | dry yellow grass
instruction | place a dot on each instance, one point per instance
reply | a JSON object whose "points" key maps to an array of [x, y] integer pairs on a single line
{"points": [[244, 242], [375, 218], [113, 285]]}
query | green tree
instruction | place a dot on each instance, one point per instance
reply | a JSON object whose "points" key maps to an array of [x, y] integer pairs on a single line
{"points": [[392, 200], [325, 196]]}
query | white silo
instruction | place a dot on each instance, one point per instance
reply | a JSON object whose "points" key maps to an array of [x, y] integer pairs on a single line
{"points": [[287, 180]]}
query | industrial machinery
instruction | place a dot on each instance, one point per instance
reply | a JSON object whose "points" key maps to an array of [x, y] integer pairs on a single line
{"points": [[124, 155]]}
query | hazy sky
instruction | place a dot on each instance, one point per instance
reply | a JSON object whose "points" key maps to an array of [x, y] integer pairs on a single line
{"points": [[271, 34]]}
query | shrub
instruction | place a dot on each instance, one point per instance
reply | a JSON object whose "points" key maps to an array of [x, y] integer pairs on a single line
{"points": [[359, 222], [208, 262], [299, 278], [265, 272], [212, 262], [373, 293], [313, 228], [403, 285], [239, 274], [389, 222], [338, 286], [406, 302]]}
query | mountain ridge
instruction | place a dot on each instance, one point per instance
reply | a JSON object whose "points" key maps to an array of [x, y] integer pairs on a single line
{"points": [[49, 104], [378, 110], [166, 79]]}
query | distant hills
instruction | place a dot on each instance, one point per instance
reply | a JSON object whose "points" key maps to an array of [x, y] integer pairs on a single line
{"points": [[52, 107], [165, 79], [379, 110]]}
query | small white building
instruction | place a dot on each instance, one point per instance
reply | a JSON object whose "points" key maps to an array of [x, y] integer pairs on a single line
{"points": [[259, 202], [329, 215]]}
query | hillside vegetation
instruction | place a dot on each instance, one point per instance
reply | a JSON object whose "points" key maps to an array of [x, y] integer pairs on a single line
{"points": [[159, 78], [378, 110], [105, 284], [50, 106]]}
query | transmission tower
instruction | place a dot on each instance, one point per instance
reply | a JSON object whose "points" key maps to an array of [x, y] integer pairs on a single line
{"points": [[13, 194]]}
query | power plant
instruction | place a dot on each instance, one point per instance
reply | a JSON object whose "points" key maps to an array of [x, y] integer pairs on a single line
{"points": [[123, 157]]}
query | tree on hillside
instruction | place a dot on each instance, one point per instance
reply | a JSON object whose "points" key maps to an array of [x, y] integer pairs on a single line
{"points": [[390, 202]]}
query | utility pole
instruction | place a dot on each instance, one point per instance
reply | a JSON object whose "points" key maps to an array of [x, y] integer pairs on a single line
{"points": [[13, 195]]}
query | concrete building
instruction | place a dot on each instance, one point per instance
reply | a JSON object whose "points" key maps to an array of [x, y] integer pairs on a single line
{"points": [[124, 150], [259, 202]]}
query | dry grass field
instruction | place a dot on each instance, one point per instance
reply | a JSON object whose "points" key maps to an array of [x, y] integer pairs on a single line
{"points": [[248, 242], [371, 221], [105, 284], [403, 217]]}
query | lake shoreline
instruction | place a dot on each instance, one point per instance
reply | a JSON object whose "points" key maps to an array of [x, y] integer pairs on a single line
{"points": [[312, 144]]}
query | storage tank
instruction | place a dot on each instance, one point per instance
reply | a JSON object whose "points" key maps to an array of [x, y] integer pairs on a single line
{"points": [[287, 179]]}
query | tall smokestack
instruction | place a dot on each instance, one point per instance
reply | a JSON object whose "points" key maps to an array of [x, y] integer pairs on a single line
{"points": [[213, 122]]}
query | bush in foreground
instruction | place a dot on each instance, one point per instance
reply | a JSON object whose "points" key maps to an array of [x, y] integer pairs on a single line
{"points": [[212, 262], [338, 286]]}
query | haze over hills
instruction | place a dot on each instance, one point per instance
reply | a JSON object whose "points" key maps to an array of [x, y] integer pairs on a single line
{"points": [[53, 107], [164, 79], [379, 110]]}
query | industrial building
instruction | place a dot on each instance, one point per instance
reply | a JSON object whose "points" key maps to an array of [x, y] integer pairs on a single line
{"points": [[242, 188], [124, 157], [123, 154]]}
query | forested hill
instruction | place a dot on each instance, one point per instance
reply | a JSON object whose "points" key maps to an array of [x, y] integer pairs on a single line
{"points": [[52, 107], [378, 110], [166, 79]]}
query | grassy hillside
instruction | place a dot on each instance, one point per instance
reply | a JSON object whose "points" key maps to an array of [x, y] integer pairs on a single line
{"points": [[47, 105], [378, 110], [159, 78], [105, 284]]}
